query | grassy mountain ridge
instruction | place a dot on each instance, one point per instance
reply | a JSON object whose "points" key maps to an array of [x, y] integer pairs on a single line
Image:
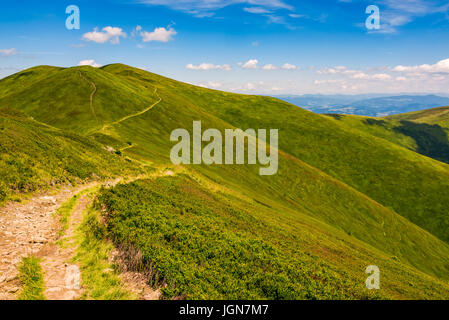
{"points": [[438, 116], [327, 194], [343, 152]]}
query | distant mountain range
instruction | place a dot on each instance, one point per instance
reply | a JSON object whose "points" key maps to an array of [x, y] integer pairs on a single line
{"points": [[375, 105]]}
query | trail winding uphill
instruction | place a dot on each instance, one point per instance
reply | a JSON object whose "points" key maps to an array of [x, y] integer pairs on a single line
{"points": [[134, 114], [92, 109]]}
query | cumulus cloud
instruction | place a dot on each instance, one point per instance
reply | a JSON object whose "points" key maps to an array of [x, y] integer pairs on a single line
{"points": [[288, 66], [337, 70], [159, 34], [8, 52], [209, 66], [211, 85], [360, 75], [270, 67], [89, 62], [250, 64], [439, 67], [381, 76], [108, 34]]}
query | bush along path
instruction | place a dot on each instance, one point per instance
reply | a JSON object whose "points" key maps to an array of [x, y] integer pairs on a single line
{"points": [[45, 230]]}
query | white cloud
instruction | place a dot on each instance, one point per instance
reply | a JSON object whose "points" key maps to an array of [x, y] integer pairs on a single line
{"points": [[270, 67], [256, 10], [288, 66], [8, 52], [250, 64], [111, 34], [337, 70], [89, 62], [439, 67], [207, 8], [378, 76], [211, 85], [159, 34], [360, 75], [209, 66], [297, 16], [381, 76]]}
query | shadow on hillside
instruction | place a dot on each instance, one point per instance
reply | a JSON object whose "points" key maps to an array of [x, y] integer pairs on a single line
{"points": [[432, 140], [372, 122], [333, 115]]}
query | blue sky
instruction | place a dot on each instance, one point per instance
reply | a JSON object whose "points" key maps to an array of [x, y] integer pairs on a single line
{"points": [[249, 46]]}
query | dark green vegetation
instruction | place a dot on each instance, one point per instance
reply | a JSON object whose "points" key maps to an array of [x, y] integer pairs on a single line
{"points": [[32, 279], [349, 193], [205, 244]]}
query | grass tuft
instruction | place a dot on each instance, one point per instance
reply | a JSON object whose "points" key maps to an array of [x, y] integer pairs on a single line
{"points": [[32, 279]]}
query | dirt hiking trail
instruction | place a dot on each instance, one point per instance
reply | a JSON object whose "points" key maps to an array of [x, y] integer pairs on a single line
{"points": [[27, 229], [31, 228]]}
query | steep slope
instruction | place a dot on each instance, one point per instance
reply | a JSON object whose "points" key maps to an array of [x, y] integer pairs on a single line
{"points": [[426, 135], [418, 191], [342, 189], [35, 156], [201, 240]]}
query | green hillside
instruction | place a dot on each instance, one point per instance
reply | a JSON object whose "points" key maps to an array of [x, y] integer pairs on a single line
{"points": [[35, 156], [439, 116], [344, 197], [426, 135], [357, 159]]}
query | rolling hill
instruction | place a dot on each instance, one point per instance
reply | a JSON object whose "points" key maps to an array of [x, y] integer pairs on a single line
{"points": [[345, 197], [436, 116]]}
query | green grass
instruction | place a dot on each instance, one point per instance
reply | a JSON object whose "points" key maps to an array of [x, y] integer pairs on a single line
{"points": [[99, 279], [34, 156], [439, 116], [32, 279], [64, 212], [418, 191], [215, 245], [347, 194]]}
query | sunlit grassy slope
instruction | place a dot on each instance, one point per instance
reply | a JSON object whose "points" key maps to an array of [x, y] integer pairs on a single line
{"points": [[34, 156], [439, 116], [353, 157], [342, 196]]}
